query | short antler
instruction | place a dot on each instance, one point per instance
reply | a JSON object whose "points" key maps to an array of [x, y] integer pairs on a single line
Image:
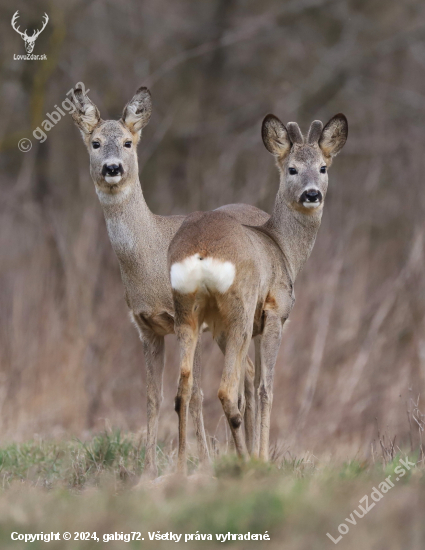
{"points": [[294, 132], [314, 132]]}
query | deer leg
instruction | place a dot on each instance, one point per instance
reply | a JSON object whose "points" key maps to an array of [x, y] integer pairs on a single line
{"points": [[257, 378], [188, 339], [235, 356], [249, 412], [246, 395], [269, 348], [153, 347], [195, 406]]}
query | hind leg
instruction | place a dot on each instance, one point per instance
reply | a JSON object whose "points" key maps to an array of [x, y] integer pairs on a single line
{"points": [[246, 394], [186, 327], [188, 339], [195, 406], [236, 349], [249, 412]]}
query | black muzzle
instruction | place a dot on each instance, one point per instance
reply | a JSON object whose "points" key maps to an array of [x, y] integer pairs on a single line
{"points": [[312, 196], [112, 170]]}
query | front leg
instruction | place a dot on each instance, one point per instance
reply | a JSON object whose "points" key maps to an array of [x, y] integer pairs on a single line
{"points": [[153, 347], [257, 379], [269, 345]]}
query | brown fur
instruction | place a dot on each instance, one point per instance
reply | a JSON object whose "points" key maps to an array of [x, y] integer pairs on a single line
{"points": [[267, 260]]}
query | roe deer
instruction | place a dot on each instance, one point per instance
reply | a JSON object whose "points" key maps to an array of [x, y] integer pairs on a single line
{"points": [[140, 240], [239, 280]]}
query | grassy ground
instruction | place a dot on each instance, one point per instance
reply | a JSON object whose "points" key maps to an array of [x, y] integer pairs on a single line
{"points": [[87, 487]]}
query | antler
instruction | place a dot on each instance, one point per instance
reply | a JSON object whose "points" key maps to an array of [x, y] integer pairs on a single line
{"points": [[14, 19], [45, 21]]}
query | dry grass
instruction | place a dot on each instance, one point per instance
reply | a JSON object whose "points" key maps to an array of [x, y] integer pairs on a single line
{"points": [[57, 486]]}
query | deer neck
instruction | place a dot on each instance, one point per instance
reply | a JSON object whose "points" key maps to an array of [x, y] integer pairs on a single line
{"points": [[294, 231], [131, 226]]}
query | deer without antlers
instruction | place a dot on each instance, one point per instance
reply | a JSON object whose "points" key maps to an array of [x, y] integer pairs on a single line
{"points": [[29, 40], [239, 280], [140, 240]]}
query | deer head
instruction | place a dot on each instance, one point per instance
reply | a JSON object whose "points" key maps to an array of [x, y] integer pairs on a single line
{"points": [[112, 143], [29, 40], [304, 160]]}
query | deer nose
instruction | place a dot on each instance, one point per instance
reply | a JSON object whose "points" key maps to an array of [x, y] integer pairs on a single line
{"points": [[311, 196], [112, 170]]}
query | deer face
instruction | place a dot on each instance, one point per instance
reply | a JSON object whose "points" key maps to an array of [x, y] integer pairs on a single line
{"points": [[112, 144], [304, 162], [113, 155], [305, 170]]}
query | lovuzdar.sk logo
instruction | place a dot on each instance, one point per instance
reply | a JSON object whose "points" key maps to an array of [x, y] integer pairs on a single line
{"points": [[29, 40]]}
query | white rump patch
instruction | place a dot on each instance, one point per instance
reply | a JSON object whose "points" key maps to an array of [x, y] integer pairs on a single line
{"points": [[194, 273]]}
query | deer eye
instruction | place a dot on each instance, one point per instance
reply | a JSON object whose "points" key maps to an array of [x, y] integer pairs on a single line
{"points": [[96, 144], [292, 171], [323, 170], [128, 144]]}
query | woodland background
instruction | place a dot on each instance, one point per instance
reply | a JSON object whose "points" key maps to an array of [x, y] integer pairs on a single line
{"points": [[353, 356]]}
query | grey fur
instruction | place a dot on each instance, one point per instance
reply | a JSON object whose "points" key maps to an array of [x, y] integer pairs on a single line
{"points": [[140, 240]]}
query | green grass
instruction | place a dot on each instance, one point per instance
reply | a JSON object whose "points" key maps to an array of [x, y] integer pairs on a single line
{"points": [[87, 486], [75, 464]]}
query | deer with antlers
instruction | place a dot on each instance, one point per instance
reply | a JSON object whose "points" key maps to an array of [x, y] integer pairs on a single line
{"points": [[239, 279], [29, 40]]}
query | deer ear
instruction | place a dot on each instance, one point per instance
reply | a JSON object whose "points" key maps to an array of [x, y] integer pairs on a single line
{"points": [[138, 111], [275, 136], [86, 115], [334, 135]]}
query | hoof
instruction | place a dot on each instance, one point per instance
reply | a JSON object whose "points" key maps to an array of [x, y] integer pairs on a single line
{"points": [[236, 421]]}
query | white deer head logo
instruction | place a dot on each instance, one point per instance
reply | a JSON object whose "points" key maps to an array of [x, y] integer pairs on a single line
{"points": [[29, 40]]}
